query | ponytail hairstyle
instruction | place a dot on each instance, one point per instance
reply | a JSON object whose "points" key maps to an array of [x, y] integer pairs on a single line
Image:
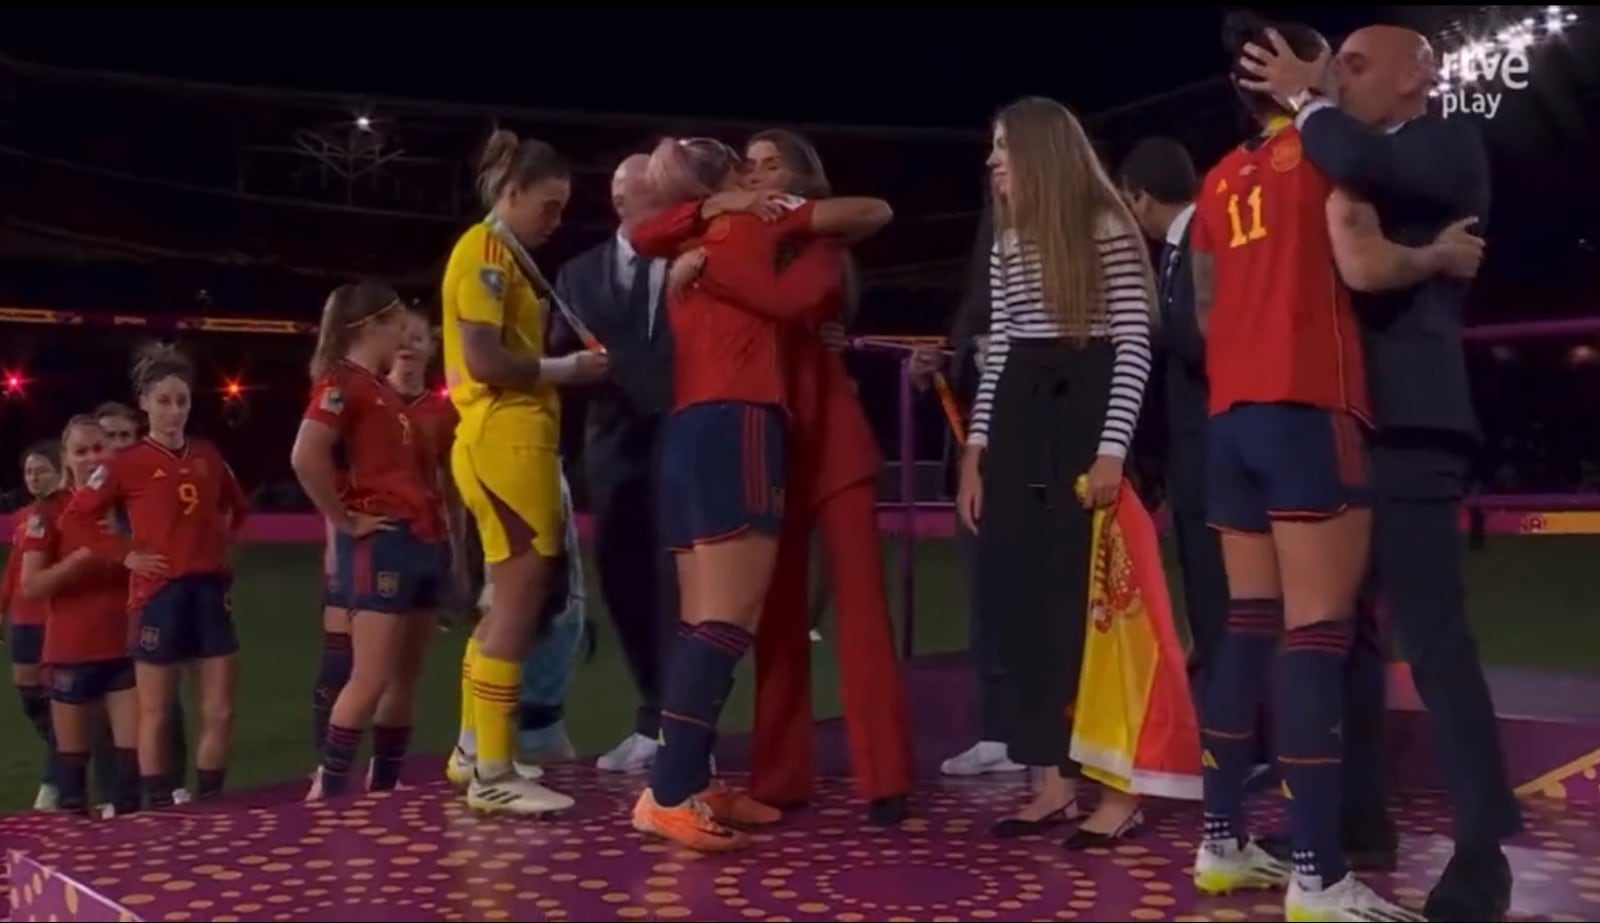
{"points": [[510, 163], [60, 450], [348, 308], [156, 362], [811, 182], [688, 169]]}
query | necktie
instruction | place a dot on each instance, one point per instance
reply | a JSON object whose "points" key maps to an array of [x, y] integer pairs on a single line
{"points": [[640, 298], [1169, 262]]}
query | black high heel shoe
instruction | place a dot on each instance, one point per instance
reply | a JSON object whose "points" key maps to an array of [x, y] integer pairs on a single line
{"points": [[1011, 828], [1081, 839]]}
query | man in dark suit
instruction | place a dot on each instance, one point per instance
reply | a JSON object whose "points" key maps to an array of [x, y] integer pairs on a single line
{"points": [[968, 339], [1421, 173], [618, 294], [1159, 183]]}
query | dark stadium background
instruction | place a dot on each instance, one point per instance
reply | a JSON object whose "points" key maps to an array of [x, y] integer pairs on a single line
{"points": [[167, 160]]}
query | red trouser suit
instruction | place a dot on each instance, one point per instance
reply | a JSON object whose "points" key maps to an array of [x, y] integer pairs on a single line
{"points": [[834, 463]]}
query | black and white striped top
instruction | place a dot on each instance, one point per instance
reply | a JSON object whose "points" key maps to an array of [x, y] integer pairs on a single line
{"points": [[1017, 312]]}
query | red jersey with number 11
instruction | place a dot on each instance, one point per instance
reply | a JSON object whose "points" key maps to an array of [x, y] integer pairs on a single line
{"points": [[1281, 328]]}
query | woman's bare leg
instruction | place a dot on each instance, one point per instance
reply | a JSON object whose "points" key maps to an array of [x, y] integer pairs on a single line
{"points": [[157, 685]]}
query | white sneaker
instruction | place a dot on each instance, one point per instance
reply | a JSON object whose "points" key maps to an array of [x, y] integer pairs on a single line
{"points": [[106, 811], [634, 754], [1349, 899], [314, 792], [1223, 867], [510, 793], [816, 636], [181, 796], [981, 758], [48, 798]]}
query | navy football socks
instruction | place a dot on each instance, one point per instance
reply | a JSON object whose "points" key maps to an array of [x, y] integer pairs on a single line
{"points": [[697, 688], [1310, 748], [389, 748], [332, 674], [1235, 685]]}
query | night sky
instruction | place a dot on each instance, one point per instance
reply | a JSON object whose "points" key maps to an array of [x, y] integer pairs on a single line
{"points": [[899, 68]]}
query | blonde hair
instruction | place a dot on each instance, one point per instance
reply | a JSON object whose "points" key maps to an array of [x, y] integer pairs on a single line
{"points": [[1061, 202], [78, 421], [681, 170]]}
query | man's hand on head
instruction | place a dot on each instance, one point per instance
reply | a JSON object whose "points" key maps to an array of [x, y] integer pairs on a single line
{"points": [[1280, 73]]}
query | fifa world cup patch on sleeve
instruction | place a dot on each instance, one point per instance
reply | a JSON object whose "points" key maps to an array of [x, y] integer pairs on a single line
{"points": [[35, 526], [493, 280], [332, 401]]}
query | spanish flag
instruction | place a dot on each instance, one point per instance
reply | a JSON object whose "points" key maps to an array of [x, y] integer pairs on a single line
{"points": [[1135, 727]]}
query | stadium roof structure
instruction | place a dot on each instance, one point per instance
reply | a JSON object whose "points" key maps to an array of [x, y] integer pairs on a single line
{"points": [[182, 191]]}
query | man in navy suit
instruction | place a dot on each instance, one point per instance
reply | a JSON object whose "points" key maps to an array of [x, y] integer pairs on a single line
{"points": [[1422, 174], [619, 295], [1159, 182]]}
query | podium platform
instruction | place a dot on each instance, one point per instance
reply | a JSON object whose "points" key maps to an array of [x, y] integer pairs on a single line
{"points": [[419, 854]]}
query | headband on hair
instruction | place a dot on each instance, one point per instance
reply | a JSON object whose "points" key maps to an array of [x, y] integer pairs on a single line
{"points": [[378, 313]]}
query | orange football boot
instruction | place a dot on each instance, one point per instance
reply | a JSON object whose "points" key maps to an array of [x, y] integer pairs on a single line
{"points": [[690, 825]]}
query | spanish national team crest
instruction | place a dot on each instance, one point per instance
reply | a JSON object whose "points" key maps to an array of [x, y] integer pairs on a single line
{"points": [[149, 638], [388, 584], [1285, 154], [717, 230]]}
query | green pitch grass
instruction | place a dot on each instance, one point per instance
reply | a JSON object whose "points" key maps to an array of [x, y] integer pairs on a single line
{"points": [[1530, 605]]}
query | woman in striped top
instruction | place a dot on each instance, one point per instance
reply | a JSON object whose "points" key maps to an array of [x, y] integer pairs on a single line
{"points": [[1069, 355]]}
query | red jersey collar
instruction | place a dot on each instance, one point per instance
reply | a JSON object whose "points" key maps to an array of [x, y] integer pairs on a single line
{"points": [[180, 452]]}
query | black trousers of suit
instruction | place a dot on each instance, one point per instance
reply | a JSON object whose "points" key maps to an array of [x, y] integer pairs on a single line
{"points": [[1204, 584], [638, 583], [1419, 479]]}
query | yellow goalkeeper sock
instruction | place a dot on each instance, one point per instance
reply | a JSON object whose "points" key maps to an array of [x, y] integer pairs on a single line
{"points": [[495, 686], [468, 740]]}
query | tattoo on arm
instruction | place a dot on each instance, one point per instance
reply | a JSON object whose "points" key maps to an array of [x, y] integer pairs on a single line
{"points": [[488, 360], [1205, 286]]}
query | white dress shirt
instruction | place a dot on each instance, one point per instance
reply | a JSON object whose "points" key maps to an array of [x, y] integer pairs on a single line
{"points": [[627, 258]]}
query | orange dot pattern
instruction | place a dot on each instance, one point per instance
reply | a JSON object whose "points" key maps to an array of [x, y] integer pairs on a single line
{"points": [[419, 854]]}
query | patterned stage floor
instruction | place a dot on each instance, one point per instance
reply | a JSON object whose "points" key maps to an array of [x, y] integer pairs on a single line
{"points": [[419, 855]]}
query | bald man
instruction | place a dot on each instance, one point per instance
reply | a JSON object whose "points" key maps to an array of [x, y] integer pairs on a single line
{"points": [[618, 294], [1371, 133]]}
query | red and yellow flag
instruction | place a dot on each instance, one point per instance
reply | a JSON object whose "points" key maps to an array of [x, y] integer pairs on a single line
{"points": [[1135, 727]]}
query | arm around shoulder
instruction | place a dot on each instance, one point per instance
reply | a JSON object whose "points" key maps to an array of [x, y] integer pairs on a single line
{"points": [[1430, 159]]}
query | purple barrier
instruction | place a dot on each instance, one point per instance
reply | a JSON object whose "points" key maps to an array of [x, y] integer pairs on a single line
{"points": [[1535, 330]]}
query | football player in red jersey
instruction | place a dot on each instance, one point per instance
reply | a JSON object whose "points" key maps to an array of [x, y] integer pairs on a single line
{"points": [[433, 421], [722, 459], [388, 520], [77, 566], [184, 505], [24, 618], [1286, 472]]}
